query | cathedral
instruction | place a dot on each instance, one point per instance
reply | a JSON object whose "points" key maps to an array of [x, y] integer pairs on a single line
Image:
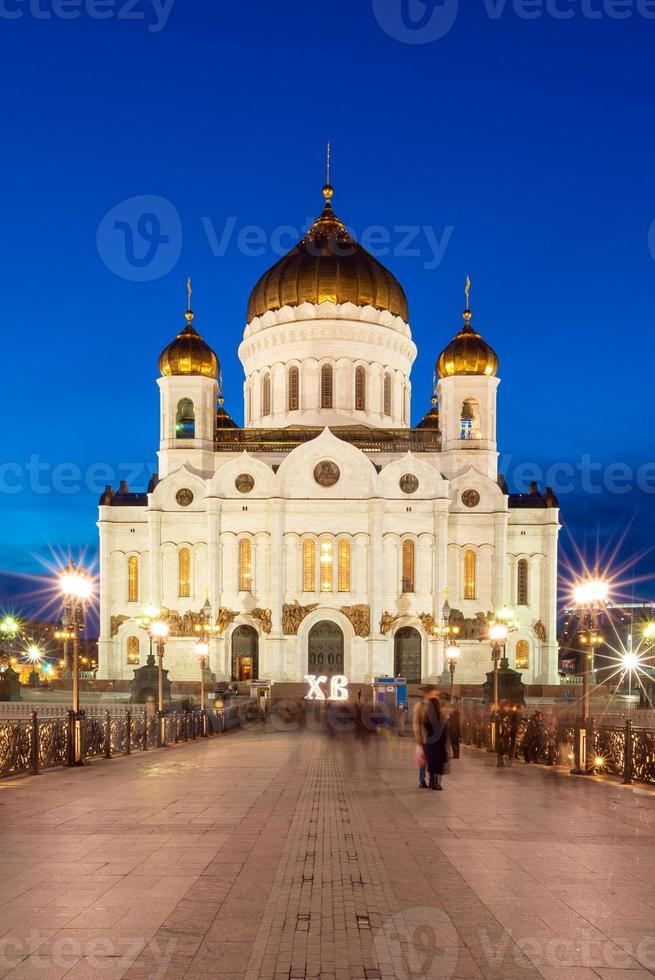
{"points": [[328, 535]]}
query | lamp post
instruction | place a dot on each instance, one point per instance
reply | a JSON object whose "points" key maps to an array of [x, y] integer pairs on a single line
{"points": [[453, 653], [498, 639], [159, 633], [590, 597], [202, 650], [34, 657], [77, 589], [446, 633]]}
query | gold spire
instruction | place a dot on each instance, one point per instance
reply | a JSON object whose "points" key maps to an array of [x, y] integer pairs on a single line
{"points": [[467, 293], [328, 190], [189, 312]]}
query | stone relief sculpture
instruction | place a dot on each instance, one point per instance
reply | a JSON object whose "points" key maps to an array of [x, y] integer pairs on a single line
{"points": [[471, 629], [428, 622], [225, 617], [360, 617], [264, 618], [540, 631], [386, 622], [115, 624], [292, 616]]}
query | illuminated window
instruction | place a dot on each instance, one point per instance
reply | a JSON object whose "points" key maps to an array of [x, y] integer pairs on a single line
{"points": [[522, 655], [133, 579], [387, 394], [185, 420], [133, 651], [294, 389], [326, 565], [408, 566], [327, 386], [245, 565], [309, 566], [344, 566], [266, 395], [470, 575], [360, 389], [523, 583], [184, 573], [469, 425]]}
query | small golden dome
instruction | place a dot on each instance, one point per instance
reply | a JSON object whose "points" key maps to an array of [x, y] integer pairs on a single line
{"points": [[188, 354], [467, 353], [327, 265]]}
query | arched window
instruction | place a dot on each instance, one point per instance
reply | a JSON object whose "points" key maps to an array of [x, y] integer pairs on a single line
{"points": [[133, 651], [266, 395], [185, 420], [522, 655], [408, 567], [325, 562], [469, 426], [133, 579], [387, 394], [523, 583], [360, 389], [245, 565], [309, 565], [184, 573], [293, 383], [344, 566], [470, 575], [327, 386]]}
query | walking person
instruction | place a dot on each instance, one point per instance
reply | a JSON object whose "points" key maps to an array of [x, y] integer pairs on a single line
{"points": [[534, 734], [502, 733], [431, 734]]}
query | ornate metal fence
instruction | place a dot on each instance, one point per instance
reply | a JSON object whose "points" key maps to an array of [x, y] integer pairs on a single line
{"points": [[31, 745], [620, 750]]}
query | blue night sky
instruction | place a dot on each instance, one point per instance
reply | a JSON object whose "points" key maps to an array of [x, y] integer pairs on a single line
{"points": [[523, 146]]}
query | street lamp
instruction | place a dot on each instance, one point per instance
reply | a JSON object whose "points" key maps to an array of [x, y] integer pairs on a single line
{"points": [[498, 639], [77, 589], [159, 633], [35, 656], [202, 650], [446, 633], [452, 655], [590, 597]]}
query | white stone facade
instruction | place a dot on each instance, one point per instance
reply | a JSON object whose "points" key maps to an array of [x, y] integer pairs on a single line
{"points": [[365, 508]]}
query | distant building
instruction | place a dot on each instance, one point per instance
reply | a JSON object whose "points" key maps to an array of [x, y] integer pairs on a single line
{"points": [[621, 626]]}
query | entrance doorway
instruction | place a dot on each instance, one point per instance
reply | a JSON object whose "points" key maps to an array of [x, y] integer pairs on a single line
{"points": [[325, 650], [245, 654], [407, 654]]}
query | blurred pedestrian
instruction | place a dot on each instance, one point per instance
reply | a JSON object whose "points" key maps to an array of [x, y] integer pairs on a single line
{"points": [[533, 738], [431, 734], [454, 728]]}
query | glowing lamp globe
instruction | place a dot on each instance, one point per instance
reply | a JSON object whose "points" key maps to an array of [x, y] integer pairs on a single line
{"points": [[77, 585], [202, 649], [497, 633], [453, 653], [159, 629], [591, 592]]}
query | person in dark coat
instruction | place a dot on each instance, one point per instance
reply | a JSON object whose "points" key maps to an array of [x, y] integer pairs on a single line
{"points": [[431, 733], [534, 736], [454, 729]]}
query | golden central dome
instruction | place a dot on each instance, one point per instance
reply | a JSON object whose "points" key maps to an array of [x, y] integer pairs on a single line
{"points": [[467, 353], [327, 265], [188, 354]]}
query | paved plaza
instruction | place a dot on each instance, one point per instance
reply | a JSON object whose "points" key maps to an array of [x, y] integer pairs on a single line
{"points": [[285, 855]]}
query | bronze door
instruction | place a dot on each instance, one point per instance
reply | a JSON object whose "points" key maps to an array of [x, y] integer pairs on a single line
{"points": [[245, 654], [325, 650], [407, 655]]}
